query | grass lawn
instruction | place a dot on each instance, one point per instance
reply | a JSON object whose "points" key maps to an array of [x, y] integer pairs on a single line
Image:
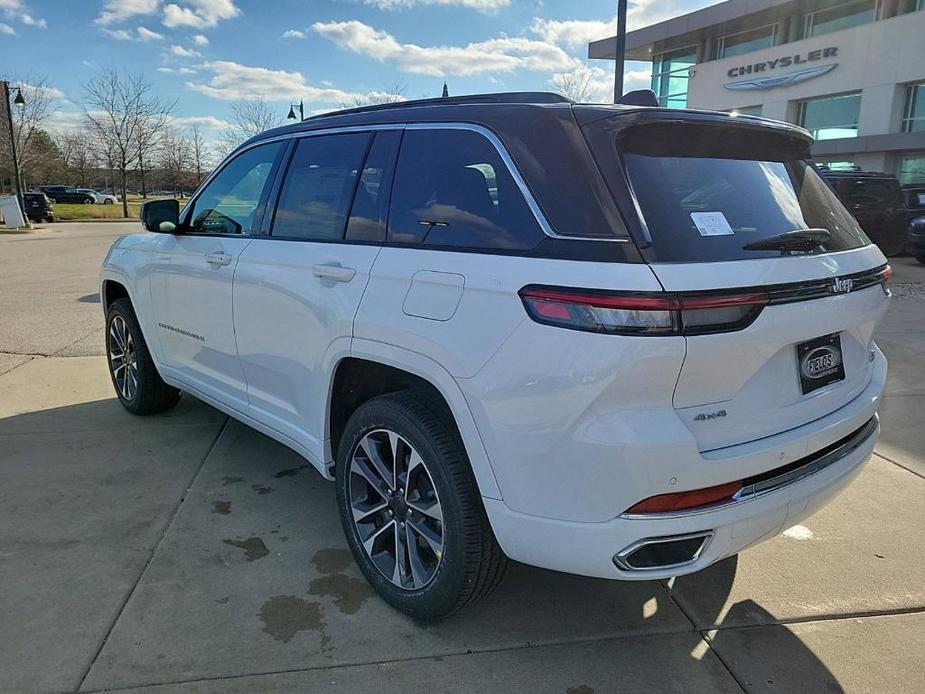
{"points": [[65, 212]]}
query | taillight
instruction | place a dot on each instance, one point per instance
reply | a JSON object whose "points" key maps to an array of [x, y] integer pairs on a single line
{"points": [[886, 273], [658, 313], [685, 501]]}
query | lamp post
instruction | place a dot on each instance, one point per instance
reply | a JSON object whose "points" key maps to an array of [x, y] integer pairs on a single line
{"points": [[292, 108], [621, 50], [19, 101]]}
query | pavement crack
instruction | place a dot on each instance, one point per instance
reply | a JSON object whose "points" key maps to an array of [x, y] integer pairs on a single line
{"points": [[153, 553]]}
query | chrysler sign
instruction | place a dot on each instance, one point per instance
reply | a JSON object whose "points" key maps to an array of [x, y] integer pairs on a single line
{"points": [[757, 74]]}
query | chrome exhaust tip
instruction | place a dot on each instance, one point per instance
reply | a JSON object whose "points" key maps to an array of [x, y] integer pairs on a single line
{"points": [[663, 553]]}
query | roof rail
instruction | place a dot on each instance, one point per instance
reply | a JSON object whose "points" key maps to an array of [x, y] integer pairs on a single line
{"points": [[497, 98]]}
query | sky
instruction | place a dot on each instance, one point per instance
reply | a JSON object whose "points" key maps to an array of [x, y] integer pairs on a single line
{"points": [[210, 54]]}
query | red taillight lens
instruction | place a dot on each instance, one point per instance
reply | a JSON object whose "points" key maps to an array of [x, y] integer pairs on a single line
{"points": [[685, 501], [641, 314]]}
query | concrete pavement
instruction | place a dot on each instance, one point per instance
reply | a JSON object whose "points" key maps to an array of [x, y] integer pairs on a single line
{"points": [[185, 552]]}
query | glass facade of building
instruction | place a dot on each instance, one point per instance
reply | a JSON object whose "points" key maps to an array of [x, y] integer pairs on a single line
{"points": [[914, 110], [831, 117], [670, 76], [912, 169], [837, 15], [746, 41]]}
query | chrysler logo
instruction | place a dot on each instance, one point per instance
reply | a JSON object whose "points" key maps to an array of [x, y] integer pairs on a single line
{"points": [[842, 285], [780, 80]]}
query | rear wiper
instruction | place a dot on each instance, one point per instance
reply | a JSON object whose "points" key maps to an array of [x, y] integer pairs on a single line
{"points": [[796, 240]]}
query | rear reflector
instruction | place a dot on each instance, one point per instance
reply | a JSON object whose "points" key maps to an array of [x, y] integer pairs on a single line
{"points": [[658, 313], [685, 501]]}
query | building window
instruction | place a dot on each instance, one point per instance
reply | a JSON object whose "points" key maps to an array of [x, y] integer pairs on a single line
{"points": [[670, 75], [912, 169], [746, 111], [911, 6], [914, 110], [835, 16], [838, 165], [746, 41], [831, 117]]}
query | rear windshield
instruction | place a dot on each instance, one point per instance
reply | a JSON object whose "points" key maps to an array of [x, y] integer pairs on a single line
{"points": [[705, 192]]}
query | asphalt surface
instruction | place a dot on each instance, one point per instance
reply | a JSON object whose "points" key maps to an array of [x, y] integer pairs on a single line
{"points": [[185, 552]]}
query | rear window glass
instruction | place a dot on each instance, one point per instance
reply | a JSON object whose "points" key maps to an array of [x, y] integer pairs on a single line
{"points": [[705, 192]]}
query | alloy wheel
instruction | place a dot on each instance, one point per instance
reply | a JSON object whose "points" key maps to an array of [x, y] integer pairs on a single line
{"points": [[396, 511], [122, 358]]}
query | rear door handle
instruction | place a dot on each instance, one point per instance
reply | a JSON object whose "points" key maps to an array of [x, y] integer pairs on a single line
{"points": [[335, 272], [218, 258]]}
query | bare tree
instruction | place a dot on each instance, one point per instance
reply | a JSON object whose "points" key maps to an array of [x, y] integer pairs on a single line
{"points": [[390, 95], [248, 118], [578, 85], [118, 110], [28, 122], [200, 152], [176, 159]]}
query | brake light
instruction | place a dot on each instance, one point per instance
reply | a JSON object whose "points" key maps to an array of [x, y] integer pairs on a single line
{"points": [[658, 313], [685, 501]]}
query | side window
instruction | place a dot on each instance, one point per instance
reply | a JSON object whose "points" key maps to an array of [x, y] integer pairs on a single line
{"points": [[371, 203], [319, 185], [453, 189], [228, 205]]}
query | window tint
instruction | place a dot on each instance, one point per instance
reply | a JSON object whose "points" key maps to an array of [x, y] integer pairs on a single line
{"points": [[870, 193], [371, 202], [319, 185], [228, 205], [453, 189]]}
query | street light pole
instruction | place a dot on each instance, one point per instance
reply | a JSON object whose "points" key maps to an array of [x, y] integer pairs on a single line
{"points": [[17, 181], [621, 50], [291, 115]]}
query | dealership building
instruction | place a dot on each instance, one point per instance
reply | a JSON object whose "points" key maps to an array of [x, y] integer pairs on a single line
{"points": [[850, 71]]}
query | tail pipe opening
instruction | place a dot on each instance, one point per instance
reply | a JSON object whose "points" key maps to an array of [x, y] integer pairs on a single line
{"points": [[662, 553]]}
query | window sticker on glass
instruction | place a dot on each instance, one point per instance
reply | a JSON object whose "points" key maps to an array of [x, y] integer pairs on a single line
{"points": [[711, 223]]}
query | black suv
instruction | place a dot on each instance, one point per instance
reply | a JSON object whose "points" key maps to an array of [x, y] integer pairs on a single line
{"points": [[876, 201], [68, 194], [915, 204], [38, 207]]}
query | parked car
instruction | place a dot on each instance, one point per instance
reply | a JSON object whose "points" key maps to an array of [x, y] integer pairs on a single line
{"points": [[876, 201], [38, 207], [915, 206], [616, 341], [99, 198], [68, 194]]}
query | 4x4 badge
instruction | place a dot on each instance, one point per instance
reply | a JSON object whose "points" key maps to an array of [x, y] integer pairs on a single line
{"points": [[842, 285]]}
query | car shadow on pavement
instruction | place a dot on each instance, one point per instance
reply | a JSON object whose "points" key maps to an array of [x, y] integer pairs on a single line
{"points": [[179, 547]]}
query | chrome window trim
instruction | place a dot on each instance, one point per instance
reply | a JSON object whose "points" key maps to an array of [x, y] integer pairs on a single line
{"points": [[620, 557], [773, 484], [374, 127]]}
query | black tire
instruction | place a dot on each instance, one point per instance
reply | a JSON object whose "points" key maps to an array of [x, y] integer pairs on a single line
{"points": [[149, 394], [472, 563], [87, 201], [107, 201]]}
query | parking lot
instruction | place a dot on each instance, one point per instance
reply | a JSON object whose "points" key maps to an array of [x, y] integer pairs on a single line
{"points": [[186, 552]]}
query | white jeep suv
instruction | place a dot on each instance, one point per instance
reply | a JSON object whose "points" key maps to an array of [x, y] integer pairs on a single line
{"points": [[618, 341]]}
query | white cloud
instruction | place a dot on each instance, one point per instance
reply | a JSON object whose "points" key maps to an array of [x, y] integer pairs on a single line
{"points": [[145, 34], [232, 81], [16, 9], [119, 10], [29, 20], [182, 52], [7, 29], [200, 40], [142, 34], [46, 91], [480, 5], [503, 54], [202, 121], [293, 34], [200, 14], [177, 70]]}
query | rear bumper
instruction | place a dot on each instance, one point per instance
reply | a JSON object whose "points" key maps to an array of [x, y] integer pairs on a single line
{"points": [[591, 549]]}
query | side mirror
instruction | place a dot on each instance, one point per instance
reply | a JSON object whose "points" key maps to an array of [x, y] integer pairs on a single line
{"points": [[160, 215]]}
